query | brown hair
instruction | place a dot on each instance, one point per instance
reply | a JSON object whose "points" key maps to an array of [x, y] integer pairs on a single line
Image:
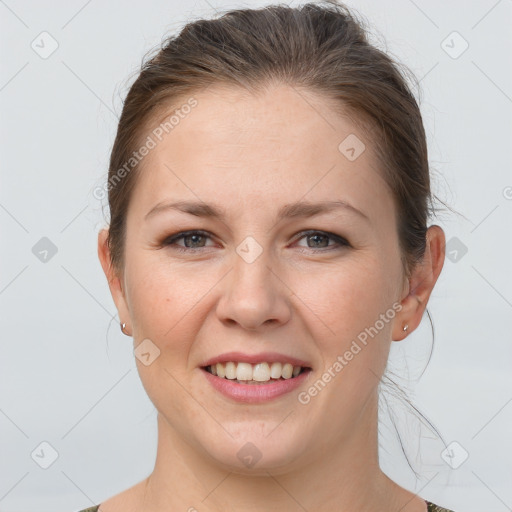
{"points": [[320, 47]]}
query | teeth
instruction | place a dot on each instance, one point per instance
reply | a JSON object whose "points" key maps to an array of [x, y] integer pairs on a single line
{"points": [[230, 370], [244, 371], [275, 370], [287, 371], [261, 372], [254, 373], [221, 370]]}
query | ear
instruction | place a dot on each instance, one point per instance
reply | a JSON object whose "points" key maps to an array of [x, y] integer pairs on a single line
{"points": [[421, 283], [115, 281]]}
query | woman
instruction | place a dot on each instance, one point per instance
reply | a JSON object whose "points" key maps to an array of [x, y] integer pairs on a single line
{"points": [[269, 195]]}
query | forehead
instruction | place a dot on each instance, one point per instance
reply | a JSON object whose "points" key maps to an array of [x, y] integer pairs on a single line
{"points": [[270, 147], [272, 118]]}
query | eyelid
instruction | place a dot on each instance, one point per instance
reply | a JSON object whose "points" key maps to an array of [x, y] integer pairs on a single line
{"points": [[182, 234], [338, 239]]}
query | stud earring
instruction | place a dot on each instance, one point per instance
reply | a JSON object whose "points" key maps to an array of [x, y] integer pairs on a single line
{"points": [[405, 327], [123, 327]]}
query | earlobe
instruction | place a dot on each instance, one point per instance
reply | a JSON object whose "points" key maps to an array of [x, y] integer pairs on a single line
{"points": [[406, 321]]}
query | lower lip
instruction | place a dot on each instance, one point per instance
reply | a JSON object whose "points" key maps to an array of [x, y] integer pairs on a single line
{"points": [[255, 393]]}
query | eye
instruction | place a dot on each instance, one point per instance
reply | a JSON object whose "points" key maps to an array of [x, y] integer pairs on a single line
{"points": [[321, 239], [191, 240]]}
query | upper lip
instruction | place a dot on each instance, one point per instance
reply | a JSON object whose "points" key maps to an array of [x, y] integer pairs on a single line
{"points": [[261, 357]]}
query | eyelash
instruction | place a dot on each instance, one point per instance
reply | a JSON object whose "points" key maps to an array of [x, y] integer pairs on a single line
{"points": [[171, 241]]}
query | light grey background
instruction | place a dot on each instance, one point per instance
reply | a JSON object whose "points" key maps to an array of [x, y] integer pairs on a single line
{"points": [[68, 376]]}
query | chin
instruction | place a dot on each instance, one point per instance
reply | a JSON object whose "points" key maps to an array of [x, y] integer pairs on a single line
{"points": [[257, 453]]}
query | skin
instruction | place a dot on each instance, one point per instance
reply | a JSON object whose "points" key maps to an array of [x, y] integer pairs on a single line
{"points": [[250, 155]]}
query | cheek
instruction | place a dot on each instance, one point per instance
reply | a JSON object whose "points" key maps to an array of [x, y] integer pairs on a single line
{"points": [[165, 305], [354, 341], [348, 331], [344, 298], [164, 309]]}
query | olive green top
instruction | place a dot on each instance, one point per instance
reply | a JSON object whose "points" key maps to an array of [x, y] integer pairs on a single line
{"points": [[431, 507]]}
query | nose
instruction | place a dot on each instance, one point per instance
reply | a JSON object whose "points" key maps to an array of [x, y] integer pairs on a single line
{"points": [[254, 295]]}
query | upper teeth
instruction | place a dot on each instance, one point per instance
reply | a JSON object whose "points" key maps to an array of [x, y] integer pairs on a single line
{"points": [[260, 372]]}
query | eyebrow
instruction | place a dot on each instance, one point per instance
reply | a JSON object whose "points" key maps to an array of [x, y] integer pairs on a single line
{"points": [[293, 210]]}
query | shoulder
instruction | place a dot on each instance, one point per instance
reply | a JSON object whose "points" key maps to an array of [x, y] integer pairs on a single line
{"points": [[432, 507]]}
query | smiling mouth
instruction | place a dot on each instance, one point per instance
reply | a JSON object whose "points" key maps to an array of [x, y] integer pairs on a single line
{"points": [[260, 373]]}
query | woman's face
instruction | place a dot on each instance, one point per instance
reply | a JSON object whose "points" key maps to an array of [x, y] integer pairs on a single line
{"points": [[283, 274]]}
